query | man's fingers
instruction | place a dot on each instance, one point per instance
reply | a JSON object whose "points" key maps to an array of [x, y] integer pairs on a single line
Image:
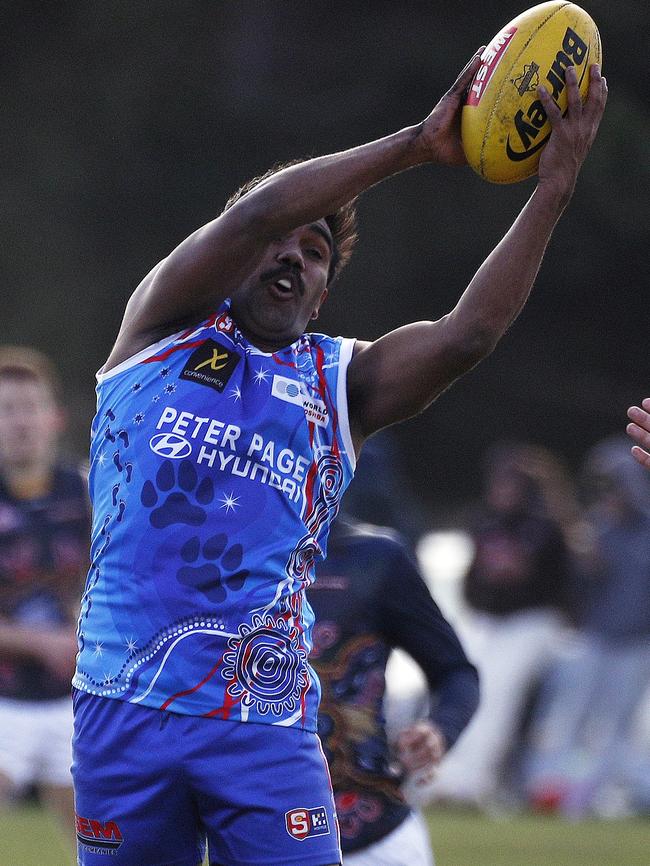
{"points": [[410, 740], [595, 78], [419, 759], [461, 84], [641, 417], [425, 776], [573, 93], [552, 111], [420, 752], [639, 434], [414, 737], [639, 430], [597, 96], [641, 456], [591, 111]]}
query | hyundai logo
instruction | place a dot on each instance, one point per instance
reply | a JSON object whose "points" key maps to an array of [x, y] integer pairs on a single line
{"points": [[170, 445]]}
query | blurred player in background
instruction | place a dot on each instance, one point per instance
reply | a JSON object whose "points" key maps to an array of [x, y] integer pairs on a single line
{"points": [[517, 590], [368, 598], [583, 760], [380, 493], [639, 430], [44, 532], [224, 438]]}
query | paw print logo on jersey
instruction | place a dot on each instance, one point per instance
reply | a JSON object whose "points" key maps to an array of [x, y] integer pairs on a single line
{"points": [[266, 668], [177, 496], [213, 568]]}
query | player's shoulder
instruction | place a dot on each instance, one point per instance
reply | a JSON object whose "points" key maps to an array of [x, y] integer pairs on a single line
{"points": [[315, 339]]}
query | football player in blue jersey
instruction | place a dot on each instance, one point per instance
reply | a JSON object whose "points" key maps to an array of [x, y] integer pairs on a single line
{"points": [[224, 438]]}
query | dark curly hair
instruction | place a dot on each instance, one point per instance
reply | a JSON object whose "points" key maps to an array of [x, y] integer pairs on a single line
{"points": [[342, 223]]}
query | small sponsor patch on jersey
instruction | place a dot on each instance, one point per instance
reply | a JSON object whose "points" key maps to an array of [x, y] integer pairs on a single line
{"points": [[225, 324], [212, 364], [101, 837], [307, 823], [295, 392]]}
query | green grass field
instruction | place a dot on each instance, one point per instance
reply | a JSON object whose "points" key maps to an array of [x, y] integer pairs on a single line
{"points": [[28, 838]]}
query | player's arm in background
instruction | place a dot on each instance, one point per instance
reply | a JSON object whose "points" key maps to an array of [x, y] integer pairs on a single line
{"points": [[55, 647], [410, 619], [639, 430], [52, 644], [433, 354], [207, 266]]}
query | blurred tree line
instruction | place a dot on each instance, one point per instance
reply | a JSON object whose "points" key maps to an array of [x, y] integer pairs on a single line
{"points": [[127, 124]]}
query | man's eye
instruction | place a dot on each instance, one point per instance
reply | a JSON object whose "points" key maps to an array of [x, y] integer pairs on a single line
{"points": [[315, 253]]}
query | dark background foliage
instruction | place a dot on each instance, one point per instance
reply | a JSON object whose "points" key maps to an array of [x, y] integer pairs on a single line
{"points": [[127, 124]]}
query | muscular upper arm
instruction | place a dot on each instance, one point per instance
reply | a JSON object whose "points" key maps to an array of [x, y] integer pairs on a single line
{"points": [[400, 374], [191, 281]]}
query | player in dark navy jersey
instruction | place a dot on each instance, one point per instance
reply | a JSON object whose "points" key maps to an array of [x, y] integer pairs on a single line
{"points": [[44, 526], [368, 598], [224, 439]]}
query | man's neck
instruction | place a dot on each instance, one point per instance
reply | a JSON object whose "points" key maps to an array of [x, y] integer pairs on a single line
{"points": [[32, 481]]}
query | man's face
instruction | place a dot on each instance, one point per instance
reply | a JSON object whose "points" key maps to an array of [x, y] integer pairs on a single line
{"points": [[274, 304], [506, 490], [30, 422]]}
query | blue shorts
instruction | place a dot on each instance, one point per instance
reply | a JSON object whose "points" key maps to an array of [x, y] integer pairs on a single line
{"points": [[151, 787]]}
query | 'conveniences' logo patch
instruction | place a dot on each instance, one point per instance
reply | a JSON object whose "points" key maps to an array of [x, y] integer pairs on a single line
{"points": [[211, 364]]}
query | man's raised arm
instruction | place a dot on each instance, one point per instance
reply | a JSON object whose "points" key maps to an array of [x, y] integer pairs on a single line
{"points": [[433, 354], [209, 265]]}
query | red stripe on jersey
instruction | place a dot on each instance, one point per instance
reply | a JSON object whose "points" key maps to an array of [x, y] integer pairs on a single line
{"points": [[325, 394], [282, 363], [195, 688], [223, 712]]}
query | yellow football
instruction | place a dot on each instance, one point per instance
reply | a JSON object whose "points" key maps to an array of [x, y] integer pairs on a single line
{"points": [[504, 126]]}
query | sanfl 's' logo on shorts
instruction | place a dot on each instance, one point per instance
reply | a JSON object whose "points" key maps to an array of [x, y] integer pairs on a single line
{"points": [[307, 823]]}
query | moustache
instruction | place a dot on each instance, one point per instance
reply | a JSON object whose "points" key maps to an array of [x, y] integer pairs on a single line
{"points": [[292, 274]]}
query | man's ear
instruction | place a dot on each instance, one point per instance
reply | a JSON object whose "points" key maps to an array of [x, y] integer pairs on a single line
{"points": [[62, 420], [320, 303]]}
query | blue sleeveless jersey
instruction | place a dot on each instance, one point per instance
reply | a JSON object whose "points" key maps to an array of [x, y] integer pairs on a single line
{"points": [[216, 470]]}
